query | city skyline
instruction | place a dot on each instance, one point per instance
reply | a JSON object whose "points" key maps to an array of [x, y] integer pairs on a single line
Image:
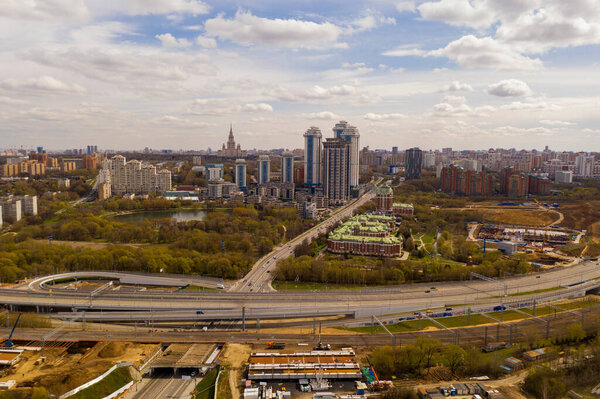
{"points": [[174, 74]]}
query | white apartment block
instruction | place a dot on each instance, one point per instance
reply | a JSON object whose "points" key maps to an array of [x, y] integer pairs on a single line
{"points": [[135, 177]]}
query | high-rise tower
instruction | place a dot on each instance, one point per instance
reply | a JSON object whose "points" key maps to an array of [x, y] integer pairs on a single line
{"points": [[336, 167], [240, 174], [338, 129], [351, 135], [264, 169], [414, 163], [287, 167], [312, 157]]}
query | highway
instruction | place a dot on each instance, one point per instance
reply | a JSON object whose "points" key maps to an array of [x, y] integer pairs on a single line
{"points": [[165, 386], [223, 305], [260, 277]]}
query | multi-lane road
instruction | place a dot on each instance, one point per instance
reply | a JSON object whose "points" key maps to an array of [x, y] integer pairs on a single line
{"points": [[260, 277]]}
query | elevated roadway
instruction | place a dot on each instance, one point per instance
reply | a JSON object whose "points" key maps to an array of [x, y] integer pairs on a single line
{"points": [[225, 305]]}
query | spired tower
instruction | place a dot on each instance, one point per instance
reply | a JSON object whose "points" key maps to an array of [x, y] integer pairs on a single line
{"points": [[230, 139]]}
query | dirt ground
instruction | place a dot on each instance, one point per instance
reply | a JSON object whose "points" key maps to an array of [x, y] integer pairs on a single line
{"points": [[236, 356], [583, 215], [65, 369], [523, 216]]}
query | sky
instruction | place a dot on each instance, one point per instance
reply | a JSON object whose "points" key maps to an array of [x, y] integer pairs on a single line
{"points": [[466, 74]]}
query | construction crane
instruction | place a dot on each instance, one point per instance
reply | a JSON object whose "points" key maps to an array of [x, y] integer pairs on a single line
{"points": [[8, 342]]}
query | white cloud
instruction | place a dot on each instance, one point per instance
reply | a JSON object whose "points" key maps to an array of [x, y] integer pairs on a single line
{"points": [[260, 107], [147, 7], [458, 12], [42, 84], [509, 88], [556, 123], [472, 52], [455, 85], [11, 101], [225, 106], [531, 104], [248, 29], [125, 65], [206, 42], [382, 117], [45, 10], [406, 6], [314, 93], [169, 41], [323, 115], [556, 23], [369, 22]]}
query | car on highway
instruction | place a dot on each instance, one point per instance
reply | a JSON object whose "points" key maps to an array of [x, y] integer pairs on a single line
{"points": [[220, 286], [538, 276], [199, 312], [427, 291], [448, 309]]}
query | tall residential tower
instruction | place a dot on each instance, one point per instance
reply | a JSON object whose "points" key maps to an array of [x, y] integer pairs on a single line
{"points": [[240, 174], [264, 169], [312, 157], [336, 167], [287, 167]]}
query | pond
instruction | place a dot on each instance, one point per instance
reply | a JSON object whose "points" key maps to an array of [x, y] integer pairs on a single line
{"points": [[177, 215]]}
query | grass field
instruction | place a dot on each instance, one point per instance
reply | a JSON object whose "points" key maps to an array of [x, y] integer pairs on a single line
{"points": [[293, 286], [206, 387], [474, 319], [108, 385]]}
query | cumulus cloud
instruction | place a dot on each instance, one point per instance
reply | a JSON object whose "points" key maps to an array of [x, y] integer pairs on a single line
{"points": [[259, 107], [383, 117], [509, 88], [323, 115], [405, 6], [206, 42], [247, 29], [473, 52], [168, 40], [455, 85], [42, 84], [369, 22]]}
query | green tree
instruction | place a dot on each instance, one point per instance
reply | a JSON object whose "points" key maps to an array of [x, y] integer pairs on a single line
{"points": [[454, 356]]}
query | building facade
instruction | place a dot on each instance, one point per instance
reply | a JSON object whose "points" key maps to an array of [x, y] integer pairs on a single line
{"points": [[287, 167], [264, 169], [368, 235], [414, 163], [312, 157], [135, 177], [240, 174], [336, 179]]}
